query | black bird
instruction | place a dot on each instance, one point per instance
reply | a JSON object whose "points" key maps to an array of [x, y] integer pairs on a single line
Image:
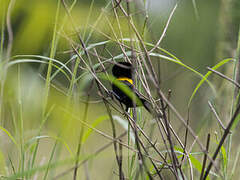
{"points": [[124, 89]]}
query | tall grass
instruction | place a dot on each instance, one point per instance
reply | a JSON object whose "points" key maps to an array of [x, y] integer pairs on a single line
{"points": [[60, 119]]}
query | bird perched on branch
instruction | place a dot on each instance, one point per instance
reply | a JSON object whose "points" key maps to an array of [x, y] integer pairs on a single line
{"points": [[124, 89]]}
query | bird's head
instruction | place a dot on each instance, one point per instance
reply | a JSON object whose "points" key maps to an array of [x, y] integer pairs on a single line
{"points": [[122, 69]]}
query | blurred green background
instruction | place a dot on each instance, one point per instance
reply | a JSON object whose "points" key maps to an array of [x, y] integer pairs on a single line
{"points": [[200, 33]]}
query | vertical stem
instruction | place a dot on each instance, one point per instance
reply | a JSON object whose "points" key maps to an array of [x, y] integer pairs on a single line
{"points": [[205, 157], [21, 120], [1, 66], [2, 31], [237, 74], [9, 28], [48, 79], [52, 54], [80, 139]]}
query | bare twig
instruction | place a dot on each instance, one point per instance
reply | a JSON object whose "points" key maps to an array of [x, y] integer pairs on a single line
{"points": [[187, 126], [165, 30], [226, 132], [186, 137], [121, 177], [205, 157], [216, 115], [225, 77]]}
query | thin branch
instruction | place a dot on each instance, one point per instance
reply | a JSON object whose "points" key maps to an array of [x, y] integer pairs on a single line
{"points": [[164, 30], [225, 77], [216, 115], [205, 157], [186, 137], [187, 126], [226, 132]]}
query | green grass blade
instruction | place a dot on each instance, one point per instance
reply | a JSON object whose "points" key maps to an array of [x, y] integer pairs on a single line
{"points": [[204, 78], [94, 124], [9, 135]]}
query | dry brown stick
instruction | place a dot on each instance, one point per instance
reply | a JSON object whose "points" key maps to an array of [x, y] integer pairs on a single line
{"points": [[185, 138], [131, 121], [205, 157], [169, 137], [187, 126], [165, 29], [225, 77], [138, 142], [121, 175], [226, 132], [216, 115]]}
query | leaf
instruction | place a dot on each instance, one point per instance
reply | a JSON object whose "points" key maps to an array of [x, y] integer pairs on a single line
{"points": [[9, 135], [224, 155], [206, 76], [94, 124]]}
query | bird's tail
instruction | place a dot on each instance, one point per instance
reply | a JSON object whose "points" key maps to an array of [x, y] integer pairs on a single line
{"points": [[149, 107]]}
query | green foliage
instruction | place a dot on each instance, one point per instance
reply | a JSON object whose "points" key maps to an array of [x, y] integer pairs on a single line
{"points": [[55, 77]]}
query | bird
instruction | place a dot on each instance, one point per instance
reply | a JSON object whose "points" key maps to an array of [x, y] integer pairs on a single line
{"points": [[123, 87]]}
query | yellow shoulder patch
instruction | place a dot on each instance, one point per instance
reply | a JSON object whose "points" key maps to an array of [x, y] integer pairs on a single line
{"points": [[125, 79]]}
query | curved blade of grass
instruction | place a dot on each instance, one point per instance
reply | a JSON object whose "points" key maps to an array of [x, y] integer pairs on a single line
{"points": [[60, 69], [91, 46], [9, 135], [120, 56], [152, 45], [185, 66], [94, 124], [44, 58], [206, 76], [11, 63]]}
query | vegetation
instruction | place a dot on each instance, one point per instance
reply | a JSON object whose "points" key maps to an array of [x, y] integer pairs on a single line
{"points": [[59, 120]]}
